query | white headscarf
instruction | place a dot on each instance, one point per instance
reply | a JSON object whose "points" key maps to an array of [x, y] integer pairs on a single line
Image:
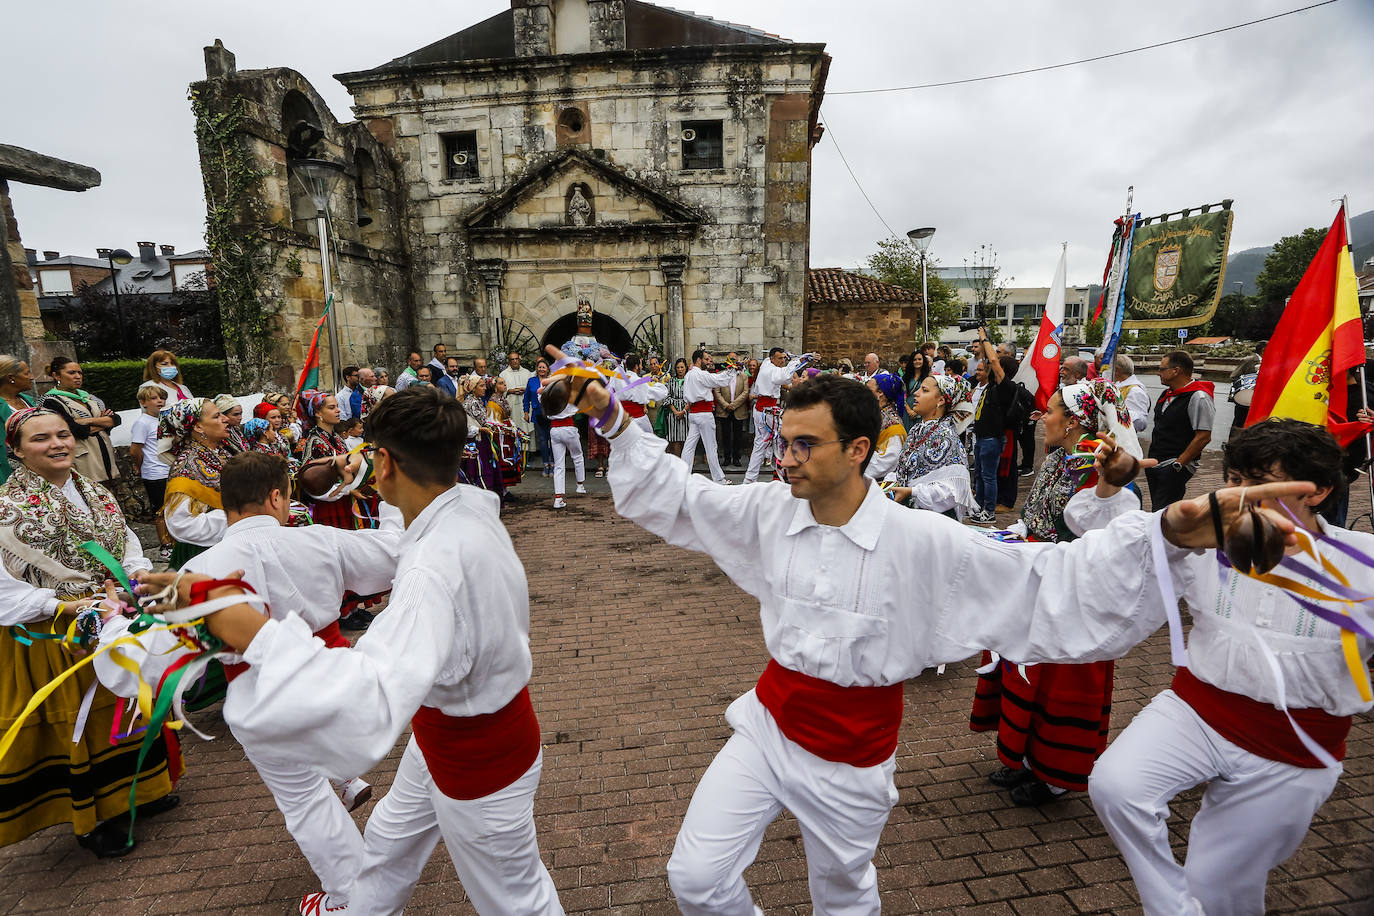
{"points": [[1099, 406]]}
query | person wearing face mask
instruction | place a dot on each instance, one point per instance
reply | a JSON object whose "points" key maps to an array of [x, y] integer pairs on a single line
{"points": [[63, 768], [162, 368]]}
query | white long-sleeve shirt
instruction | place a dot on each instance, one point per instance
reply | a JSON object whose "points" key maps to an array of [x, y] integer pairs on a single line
{"points": [[893, 592], [1232, 612], [455, 636], [1137, 401], [771, 378], [639, 394], [699, 384], [203, 530]]}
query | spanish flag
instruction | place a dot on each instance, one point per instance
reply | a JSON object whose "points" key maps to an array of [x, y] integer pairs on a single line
{"points": [[1318, 339]]}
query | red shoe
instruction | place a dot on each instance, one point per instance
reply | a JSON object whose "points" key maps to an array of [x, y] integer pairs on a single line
{"points": [[317, 904]]}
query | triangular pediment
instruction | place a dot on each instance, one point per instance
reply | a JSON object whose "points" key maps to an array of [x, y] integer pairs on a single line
{"points": [[576, 191]]}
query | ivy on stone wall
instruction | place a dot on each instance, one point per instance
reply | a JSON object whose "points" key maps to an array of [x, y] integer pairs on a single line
{"points": [[241, 255]]}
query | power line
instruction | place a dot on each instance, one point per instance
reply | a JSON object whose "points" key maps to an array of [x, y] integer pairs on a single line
{"points": [[1086, 60], [829, 132]]}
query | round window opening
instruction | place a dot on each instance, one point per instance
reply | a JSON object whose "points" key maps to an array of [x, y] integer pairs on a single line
{"points": [[571, 120]]}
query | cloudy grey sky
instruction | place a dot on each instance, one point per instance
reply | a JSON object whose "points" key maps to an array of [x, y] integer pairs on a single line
{"points": [[1276, 116]]}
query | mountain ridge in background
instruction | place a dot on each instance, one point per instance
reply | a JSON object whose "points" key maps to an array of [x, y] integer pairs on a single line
{"points": [[1245, 265]]}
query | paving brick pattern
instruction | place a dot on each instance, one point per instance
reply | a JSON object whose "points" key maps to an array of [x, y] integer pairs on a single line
{"points": [[637, 651]]}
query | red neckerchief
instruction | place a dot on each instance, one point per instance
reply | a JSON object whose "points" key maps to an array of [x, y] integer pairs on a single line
{"points": [[1202, 385]]}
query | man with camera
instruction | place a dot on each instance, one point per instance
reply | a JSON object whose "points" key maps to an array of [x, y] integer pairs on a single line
{"points": [[990, 425]]}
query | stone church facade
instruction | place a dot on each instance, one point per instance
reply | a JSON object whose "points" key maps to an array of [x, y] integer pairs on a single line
{"points": [[652, 162]]}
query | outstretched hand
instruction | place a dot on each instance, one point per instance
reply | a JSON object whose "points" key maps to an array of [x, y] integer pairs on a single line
{"points": [[1189, 522]]}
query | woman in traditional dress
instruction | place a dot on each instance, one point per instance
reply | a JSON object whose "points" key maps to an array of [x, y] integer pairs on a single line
{"points": [[269, 438], [47, 510], [15, 384], [87, 417], [232, 410], [676, 423], [162, 367], [931, 472], [321, 415], [887, 388], [191, 436], [479, 467], [1051, 719]]}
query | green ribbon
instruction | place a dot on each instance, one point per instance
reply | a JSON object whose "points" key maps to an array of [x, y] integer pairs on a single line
{"points": [[107, 560]]}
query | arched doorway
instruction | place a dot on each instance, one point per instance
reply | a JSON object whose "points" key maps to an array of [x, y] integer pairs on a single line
{"points": [[606, 329]]}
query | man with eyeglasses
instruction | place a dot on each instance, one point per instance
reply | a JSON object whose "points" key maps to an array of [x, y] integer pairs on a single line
{"points": [[857, 595], [1183, 427]]}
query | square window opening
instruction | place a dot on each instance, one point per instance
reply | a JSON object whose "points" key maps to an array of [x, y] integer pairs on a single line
{"points": [[702, 145], [460, 155]]}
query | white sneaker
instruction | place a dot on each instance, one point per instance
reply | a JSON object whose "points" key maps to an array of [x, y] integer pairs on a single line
{"points": [[560, 503], [355, 792], [725, 481], [581, 490], [318, 903]]}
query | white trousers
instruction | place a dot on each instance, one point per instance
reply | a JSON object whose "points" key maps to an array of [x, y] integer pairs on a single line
{"points": [[566, 442], [841, 810], [1255, 812], [316, 819], [763, 446], [491, 841], [701, 427]]}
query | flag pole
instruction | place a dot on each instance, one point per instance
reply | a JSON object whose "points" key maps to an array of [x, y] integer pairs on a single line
{"points": [[1368, 438]]}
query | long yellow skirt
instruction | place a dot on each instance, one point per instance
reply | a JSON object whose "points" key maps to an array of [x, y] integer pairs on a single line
{"points": [[48, 779]]}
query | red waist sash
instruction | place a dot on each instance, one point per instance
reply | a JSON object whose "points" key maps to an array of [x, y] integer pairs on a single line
{"points": [[565, 421], [474, 756], [702, 406], [633, 409], [763, 401], [853, 725], [1260, 728]]}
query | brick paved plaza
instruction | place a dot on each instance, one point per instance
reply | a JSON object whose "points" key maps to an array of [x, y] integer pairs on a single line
{"points": [[638, 648]]}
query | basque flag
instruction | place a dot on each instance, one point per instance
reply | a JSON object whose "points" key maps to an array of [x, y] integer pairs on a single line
{"points": [[1318, 339], [1039, 371]]}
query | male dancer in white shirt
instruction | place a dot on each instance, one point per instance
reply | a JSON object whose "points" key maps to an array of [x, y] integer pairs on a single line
{"points": [[697, 390], [636, 397], [565, 441], [775, 376], [847, 617], [1224, 721], [450, 657]]}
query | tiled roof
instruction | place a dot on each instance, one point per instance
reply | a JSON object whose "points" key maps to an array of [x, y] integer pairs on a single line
{"points": [[832, 284], [1208, 341]]}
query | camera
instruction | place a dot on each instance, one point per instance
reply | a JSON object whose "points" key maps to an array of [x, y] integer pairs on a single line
{"points": [[968, 324]]}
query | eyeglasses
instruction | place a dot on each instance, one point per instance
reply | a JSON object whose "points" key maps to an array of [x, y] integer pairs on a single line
{"points": [[800, 449]]}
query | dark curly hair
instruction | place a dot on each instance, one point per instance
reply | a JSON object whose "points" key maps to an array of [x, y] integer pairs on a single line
{"points": [[1296, 449]]}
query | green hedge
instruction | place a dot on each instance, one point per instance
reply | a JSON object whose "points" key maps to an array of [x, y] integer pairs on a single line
{"points": [[116, 382]]}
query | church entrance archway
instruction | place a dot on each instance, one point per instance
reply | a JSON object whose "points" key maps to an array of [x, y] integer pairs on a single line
{"points": [[606, 329]]}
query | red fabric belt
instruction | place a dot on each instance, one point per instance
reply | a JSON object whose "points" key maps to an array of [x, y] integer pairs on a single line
{"points": [[1260, 728], [474, 756], [566, 421], [633, 409], [853, 725], [702, 406], [333, 639], [763, 401]]}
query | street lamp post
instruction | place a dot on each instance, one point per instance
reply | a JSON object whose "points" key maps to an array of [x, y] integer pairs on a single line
{"points": [[922, 239], [121, 257], [318, 177]]}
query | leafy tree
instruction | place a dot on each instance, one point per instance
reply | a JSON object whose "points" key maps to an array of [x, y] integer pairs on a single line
{"points": [[1094, 331], [1285, 265], [185, 321], [898, 261], [1232, 317]]}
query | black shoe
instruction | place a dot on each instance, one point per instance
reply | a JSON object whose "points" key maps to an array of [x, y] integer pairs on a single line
{"points": [[1033, 794], [110, 839], [358, 620], [1008, 778], [1027, 472], [160, 806]]}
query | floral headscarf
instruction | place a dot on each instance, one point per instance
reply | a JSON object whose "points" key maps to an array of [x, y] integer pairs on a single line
{"points": [[953, 389], [1100, 408], [254, 427], [174, 424], [312, 401], [17, 421]]}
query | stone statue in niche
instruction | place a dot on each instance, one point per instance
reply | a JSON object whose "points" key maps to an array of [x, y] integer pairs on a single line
{"points": [[579, 206]]}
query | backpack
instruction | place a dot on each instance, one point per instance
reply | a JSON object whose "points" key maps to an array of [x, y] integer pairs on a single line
{"points": [[1021, 407]]}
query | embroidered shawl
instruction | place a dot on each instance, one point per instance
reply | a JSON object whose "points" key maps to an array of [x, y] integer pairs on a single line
{"points": [[41, 531], [321, 444], [929, 446], [1058, 480], [194, 478]]}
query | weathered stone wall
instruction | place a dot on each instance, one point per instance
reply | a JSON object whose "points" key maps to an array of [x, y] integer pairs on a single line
{"points": [[742, 286], [19, 318], [852, 331], [371, 275]]}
